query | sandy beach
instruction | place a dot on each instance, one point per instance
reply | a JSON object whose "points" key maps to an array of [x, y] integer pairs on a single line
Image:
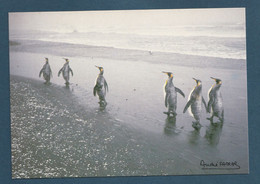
{"points": [[61, 132]]}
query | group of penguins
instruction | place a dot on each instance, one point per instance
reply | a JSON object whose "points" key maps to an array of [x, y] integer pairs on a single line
{"points": [[100, 88], [195, 100], [194, 104]]}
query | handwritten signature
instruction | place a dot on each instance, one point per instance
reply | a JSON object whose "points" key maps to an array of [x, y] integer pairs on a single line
{"points": [[226, 165]]}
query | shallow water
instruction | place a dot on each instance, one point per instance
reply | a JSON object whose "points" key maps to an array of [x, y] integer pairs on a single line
{"points": [[217, 41], [134, 119]]}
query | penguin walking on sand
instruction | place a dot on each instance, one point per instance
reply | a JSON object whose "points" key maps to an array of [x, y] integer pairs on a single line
{"points": [[101, 87], [215, 104], [66, 71], [194, 104], [170, 95], [46, 71]]}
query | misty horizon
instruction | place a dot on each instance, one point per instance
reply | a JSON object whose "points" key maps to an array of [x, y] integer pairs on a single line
{"points": [[125, 21]]}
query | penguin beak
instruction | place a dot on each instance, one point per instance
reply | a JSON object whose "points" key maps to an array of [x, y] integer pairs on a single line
{"points": [[195, 79], [218, 81], [66, 59], [168, 73], [213, 78], [100, 68]]}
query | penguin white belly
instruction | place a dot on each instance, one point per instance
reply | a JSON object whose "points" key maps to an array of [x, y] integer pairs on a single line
{"points": [[196, 108], [211, 109], [101, 90], [164, 92], [172, 100], [66, 72], [46, 76], [101, 93], [218, 104], [189, 108], [48, 70]]}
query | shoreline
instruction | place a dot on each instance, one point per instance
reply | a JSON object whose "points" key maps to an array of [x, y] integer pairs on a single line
{"points": [[80, 50]]}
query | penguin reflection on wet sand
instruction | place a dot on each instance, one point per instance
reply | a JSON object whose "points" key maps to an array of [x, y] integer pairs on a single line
{"points": [[66, 71], [194, 104], [170, 95], [101, 87], [215, 104], [213, 133], [46, 71], [170, 126]]}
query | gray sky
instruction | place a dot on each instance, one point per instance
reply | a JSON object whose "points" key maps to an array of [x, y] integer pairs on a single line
{"points": [[88, 20]]}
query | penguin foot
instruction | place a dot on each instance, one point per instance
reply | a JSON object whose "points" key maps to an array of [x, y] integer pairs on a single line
{"points": [[102, 103], [166, 113], [210, 119], [221, 120], [214, 124], [196, 125], [173, 113], [169, 113]]}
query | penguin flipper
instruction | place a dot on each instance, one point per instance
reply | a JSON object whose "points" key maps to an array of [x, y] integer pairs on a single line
{"points": [[166, 99], [71, 71], [40, 72], [204, 102], [210, 104], [105, 84], [95, 90], [187, 105], [60, 71], [179, 91]]}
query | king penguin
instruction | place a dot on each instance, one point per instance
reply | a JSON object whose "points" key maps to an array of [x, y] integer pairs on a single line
{"points": [[46, 71], [170, 95], [194, 104], [66, 71], [215, 104], [101, 87]]}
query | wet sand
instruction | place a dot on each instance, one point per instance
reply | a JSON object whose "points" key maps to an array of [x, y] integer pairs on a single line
{"points": [[53, 136], [61, 132]]}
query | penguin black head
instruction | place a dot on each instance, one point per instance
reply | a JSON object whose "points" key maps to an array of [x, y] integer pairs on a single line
{"points": [[66, 59], [47, 60], [101, 69], [218, 81], [170, 75], [197, 81]]}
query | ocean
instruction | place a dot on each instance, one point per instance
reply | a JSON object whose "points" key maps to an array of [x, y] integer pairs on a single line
{"points": [[223, 41]]}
